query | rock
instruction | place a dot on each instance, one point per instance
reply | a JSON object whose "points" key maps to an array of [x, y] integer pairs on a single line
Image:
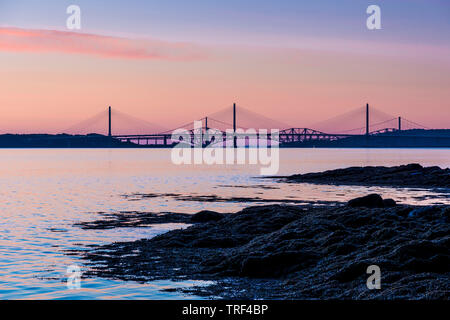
{"points": [[411, 175], [370, 201], [276, 264], [421, 211], [206, 216], [388, 203], [294, 252], [133, 219]]}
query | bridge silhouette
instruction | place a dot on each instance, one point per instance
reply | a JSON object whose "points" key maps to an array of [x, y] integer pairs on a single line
{"points": [[235, 119]]}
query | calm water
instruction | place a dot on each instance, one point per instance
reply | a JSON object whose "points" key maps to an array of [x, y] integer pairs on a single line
{"points": [[43, 192]]}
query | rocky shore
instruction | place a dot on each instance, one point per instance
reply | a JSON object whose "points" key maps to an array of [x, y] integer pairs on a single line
{"points": [[296, 252], [411, 175]]}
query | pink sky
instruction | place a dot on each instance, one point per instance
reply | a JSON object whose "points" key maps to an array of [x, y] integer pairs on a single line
{"points": [[52, 79]]}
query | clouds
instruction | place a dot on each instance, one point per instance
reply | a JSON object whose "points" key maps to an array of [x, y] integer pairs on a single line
{"points": [[51, 41]]}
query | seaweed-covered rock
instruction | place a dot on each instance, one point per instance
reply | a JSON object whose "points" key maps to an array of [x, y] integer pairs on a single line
{"points": [[411, 175], [294, 252], [370, 201], [206, 216], [389, 203]]}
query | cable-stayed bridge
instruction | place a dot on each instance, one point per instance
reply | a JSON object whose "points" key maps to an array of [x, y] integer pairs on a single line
{"points": [[357, 123]]}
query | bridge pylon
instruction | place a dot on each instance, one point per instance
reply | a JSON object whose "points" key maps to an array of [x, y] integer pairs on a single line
{"points": [[234, 125], [109, 121], [367, 120]]}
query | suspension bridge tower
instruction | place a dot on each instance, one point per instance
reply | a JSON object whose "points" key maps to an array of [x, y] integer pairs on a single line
{"points": [[367, 120], [109, 121], [234, 126]]}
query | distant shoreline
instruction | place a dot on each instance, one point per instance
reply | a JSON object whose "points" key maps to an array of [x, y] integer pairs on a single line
{"points": [[435, 138]]}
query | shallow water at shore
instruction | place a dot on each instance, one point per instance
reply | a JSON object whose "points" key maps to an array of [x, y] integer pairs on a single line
{"points": [[45, 191]]}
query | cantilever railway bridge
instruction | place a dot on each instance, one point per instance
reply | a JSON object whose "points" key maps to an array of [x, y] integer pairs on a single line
{"points": [[291, 135]]}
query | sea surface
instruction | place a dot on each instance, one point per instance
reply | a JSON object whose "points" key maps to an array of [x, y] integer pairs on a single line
{"points": [[43, 192]]}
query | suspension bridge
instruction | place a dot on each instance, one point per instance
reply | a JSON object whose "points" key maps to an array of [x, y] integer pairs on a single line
{"points": [[372, 124]]}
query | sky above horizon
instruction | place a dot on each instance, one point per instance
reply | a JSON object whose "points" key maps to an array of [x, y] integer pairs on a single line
{"points": [[170, 62]]}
